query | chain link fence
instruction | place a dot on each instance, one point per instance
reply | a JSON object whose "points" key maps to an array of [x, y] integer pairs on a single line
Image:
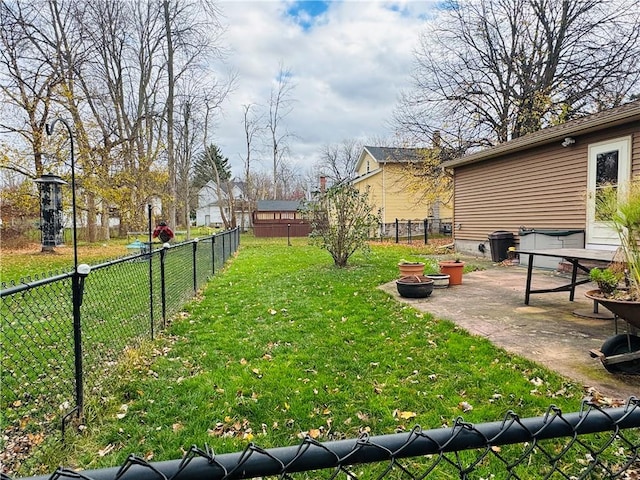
{"points": [[594, 443], [53, 352]]}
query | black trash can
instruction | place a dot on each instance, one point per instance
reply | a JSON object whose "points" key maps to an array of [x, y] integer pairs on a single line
{"points": [[499, 243]]}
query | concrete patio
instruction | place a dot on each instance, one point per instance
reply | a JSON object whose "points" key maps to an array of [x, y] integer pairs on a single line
{"points": [[490, 303]]}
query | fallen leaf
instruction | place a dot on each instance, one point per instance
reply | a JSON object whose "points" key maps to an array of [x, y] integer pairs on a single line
{"points": [[407, 415], [106, 450], [537, 381], [123, 411], [465, 406]]}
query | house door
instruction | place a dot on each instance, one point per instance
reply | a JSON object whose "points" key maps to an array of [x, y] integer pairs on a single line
{"points": [[609, 164]]}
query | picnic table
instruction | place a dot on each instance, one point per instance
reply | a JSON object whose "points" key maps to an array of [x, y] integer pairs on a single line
{"points": [[577, 257]]}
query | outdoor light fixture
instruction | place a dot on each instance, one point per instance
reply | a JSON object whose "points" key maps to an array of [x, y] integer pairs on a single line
{"points": [[568, 141]]}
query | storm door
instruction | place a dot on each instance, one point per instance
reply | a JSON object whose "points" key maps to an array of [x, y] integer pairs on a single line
{"points": [[609, 164]]}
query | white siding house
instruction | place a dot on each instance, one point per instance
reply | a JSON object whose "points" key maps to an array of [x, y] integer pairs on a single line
{"points": [[208, 210]]}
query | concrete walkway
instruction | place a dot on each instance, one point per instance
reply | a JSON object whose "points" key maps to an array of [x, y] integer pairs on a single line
{"points": [[490, 303]]}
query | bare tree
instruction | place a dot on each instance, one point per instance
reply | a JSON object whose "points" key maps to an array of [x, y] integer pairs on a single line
{"points": [[252, 128], [280, 105], [488, 71], [223, 183], [338, 161], [27, 80]]}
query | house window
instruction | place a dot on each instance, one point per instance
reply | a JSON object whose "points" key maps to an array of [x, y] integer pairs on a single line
{"points": [[368, 166], [606, 175]]}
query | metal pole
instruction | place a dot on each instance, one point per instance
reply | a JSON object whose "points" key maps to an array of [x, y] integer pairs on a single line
{"points": [[50, 129], [397, 232], [224, 254], [409, 232], [163, 290], [150, 242], [76, 284], [213, 254], [195, 271], [288, 234], [426, 227]]}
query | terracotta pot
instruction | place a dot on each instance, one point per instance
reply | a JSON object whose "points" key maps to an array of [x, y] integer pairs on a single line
{"points": [[453, 269], [414, 268]]}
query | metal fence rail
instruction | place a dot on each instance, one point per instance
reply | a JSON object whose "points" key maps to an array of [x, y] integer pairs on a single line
{"points": [[45, 370], [417, 230], [592, 443]]}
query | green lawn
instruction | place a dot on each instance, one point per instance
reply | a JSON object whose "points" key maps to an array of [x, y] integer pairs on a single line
{"points": [[280, 344]]}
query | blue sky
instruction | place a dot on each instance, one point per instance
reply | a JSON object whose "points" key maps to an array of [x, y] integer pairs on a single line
{"points": [[349, 61], [306, 13]]}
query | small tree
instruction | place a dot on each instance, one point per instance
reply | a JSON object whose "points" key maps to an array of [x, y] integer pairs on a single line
{"points": [[341, 221]]}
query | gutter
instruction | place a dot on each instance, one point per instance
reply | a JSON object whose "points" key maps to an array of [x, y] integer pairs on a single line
{"points": [[581, 126]]}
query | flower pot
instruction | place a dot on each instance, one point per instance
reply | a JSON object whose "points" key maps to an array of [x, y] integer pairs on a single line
{"points": [[453, 269], [414, 286], [440, 280], [411, 268]]}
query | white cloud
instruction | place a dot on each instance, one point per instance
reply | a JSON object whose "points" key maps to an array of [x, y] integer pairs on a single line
{"points": [[348, 67]]}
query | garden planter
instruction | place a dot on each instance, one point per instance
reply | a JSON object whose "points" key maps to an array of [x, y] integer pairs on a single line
{"points": [[411, 268], [414, 286], [625, 309], [453, 269], [619, 353], [440, 280]]}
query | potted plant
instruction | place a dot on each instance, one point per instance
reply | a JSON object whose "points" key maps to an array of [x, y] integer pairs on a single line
{"points": [[453, 268], [408, 267], [607, 279], [414, 286]]}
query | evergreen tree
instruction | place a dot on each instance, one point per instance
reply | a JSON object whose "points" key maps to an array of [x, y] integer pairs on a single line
{"points": [[211, 165]]}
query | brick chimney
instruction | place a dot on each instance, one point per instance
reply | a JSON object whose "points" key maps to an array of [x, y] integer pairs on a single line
{"points": [[323, 183], [436, 139]]}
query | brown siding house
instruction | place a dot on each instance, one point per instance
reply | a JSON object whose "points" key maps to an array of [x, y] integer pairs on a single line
{"points": [[546, 180]]}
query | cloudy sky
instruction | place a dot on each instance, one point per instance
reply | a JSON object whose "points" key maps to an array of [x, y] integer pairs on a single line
{"points": [[349, 60]]}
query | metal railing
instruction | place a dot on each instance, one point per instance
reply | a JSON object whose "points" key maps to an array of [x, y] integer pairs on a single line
{"points": [[54, 350], [593, 443], [403, 230]]}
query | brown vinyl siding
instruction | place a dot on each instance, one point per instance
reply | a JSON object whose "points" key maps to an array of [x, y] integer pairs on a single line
{"points": [[543, 187]]}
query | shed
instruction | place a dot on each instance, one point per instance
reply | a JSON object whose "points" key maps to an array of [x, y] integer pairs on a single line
{"points": [[547, 179], [279, 218]]}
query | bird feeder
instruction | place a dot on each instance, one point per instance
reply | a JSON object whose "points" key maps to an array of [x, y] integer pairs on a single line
{"points": [[138, 247], [51, 224]]}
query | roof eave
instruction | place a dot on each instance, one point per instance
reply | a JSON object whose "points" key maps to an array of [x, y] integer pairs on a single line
{"points": [[544, 137]]}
